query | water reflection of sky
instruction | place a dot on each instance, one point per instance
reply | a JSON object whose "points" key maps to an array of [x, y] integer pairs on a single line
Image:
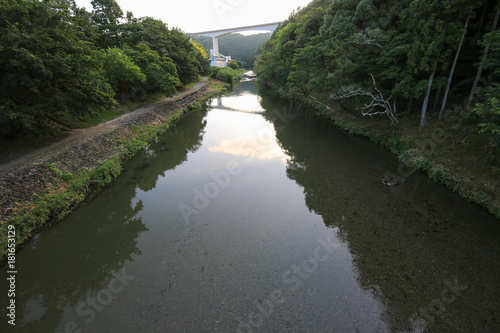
{"points": [[254, 137], [251, 147]]}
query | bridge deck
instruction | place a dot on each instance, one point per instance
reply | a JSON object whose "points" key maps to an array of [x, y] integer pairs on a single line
{"points": [[223, 31]]}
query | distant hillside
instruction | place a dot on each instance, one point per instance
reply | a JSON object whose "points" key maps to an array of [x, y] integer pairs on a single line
{"points": [[238, 46]]}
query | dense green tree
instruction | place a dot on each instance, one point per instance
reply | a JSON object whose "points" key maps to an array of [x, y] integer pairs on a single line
{"points": [[408, 46], [185, 56], [489, 108], [173, 43], [107, 15], [235, 64], [124, 76], [436, 28], [308, 67], [46, 70], [60, 62], [489, 111], [161, 73], [487, 44]]}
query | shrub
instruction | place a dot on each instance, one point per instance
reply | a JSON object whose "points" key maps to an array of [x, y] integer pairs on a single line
{"points": [[225, 74], [490, 115]]}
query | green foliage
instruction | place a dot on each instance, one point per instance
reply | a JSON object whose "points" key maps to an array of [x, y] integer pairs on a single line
{"points": [[46, 68], [104, 173], [188, 59], [64, 175], [329, 46], [61, 63], [226, 74], [91, 119], [492, 39], [235, 64], [161, 73], [106, 15], [440, 174], [398, 145], [329, 49], [489, 110], [490, 115], [121, 72]]}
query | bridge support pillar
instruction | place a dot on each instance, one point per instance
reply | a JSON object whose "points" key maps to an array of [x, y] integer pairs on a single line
{"points": [[215, 43], [213, 58]]}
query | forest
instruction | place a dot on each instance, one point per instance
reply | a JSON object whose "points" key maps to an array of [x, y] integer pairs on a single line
{"points": [[412, 61], [60, 62]]}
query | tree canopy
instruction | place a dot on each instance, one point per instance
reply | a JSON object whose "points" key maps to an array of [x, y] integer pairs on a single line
{"points": [[409, 47], [60, 61]]}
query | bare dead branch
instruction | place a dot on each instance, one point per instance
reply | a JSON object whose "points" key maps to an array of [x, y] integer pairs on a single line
{"points": [[371, 37], [377, 101]]}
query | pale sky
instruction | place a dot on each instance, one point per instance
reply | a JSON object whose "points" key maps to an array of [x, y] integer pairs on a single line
{"points": [[203, 15]]}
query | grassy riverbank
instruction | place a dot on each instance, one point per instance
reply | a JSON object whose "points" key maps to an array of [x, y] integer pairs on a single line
{"points": [[73, 175], [451, 152]]}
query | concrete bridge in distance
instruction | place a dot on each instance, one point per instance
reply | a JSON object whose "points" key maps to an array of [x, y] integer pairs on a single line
{"points": [[220, 60]]}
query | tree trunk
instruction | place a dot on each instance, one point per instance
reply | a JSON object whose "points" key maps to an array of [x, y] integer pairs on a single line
{"points": [[423, 117], [452, 71], [481, 65]]}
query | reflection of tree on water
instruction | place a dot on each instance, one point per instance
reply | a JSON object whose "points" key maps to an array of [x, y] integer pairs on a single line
{"points": [[244, 98], [244, 88], [415, 248], [63, 273], [95, 243], [170, 151]]}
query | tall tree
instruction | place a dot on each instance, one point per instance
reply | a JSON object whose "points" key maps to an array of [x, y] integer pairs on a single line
{"points": [[107, 15], [47, 71], [161, 73], [122, 73], [483, 60], [452, 71], [436, 30]]}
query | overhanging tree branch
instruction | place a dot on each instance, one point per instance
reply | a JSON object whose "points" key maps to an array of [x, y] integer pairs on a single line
{"points": [[379, 105]]}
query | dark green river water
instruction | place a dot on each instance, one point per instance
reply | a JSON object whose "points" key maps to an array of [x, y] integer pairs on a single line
{"points": [[254, 215]]}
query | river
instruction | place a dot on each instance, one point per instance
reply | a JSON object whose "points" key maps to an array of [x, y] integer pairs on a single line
{"points": [[254, 215]]}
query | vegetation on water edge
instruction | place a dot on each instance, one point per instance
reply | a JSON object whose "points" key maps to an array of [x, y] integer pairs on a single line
{"points": [[226, 74], [446, 151], [431, 68]]}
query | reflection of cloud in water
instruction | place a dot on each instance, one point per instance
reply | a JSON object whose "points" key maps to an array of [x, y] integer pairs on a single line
{"points": [[263, 147]]}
